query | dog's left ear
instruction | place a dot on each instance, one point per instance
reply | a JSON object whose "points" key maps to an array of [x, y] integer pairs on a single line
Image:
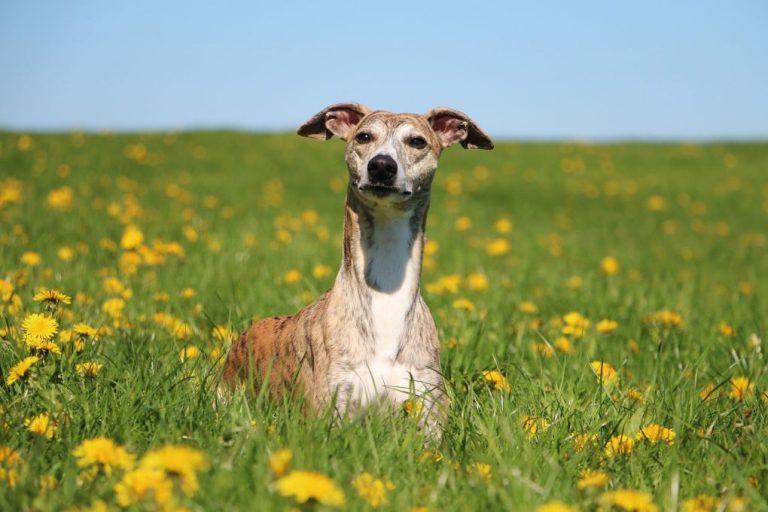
{"points": [[339, 120], [452, 126]]}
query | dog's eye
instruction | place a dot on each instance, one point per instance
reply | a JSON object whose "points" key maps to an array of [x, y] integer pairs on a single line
{"points": [[363, 137], [417, 142]]}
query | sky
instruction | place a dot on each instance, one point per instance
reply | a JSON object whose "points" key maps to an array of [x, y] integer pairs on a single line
{"points": [[535, 70]]}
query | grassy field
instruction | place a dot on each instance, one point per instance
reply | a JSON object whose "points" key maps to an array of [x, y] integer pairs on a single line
{"points": [[601, 309]]}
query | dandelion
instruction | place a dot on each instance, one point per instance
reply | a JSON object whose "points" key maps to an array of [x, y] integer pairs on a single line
{"points": [[574, 282], [84, 330], [114, 307], [656, 203], [741, 388], [543, 348], [463, 304], [88, 369], [20, 370], [141, 484], [497, 247], [609, 265], [575, 324], [187, 293], [292, 276], [503, 225], [52, 297], [606, 374], [629, 500], [498, 380], [41, 425], [726, 330], [462, 224], [308, 485], [563, 344], [132, 238], [555, 506], [589, 478], [528, 307], [320, 271], [431, 247], [580, 441], [446, 284], [371, 489], [606, 326], [701, 503], [103, 453], [9, 460], [223, 333], [413, 406], [619, 445], [39, 327], [279, 461], [635, 395], [655, 433], [708, 392], [481, 469], [477, 282], [177, 461], [60, 198], [42, 346], [532, 425], [667, 318], [189, 352], [31, 259], [65, 253]]}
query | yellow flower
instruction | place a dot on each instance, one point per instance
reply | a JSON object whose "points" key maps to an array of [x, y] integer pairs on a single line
{"points": [[543, 348], [708, 392], [279, 461], [655, 433], [9, 459], [619, 445], [39, 327], [144, 483], [528, 307], [88, 369], [636, 395], [19, 371], [31, 259], [574, 282], [701, 503], [320, 271], [42, 346], [52, 296], [60, 198], [190, 352], [292, 276], [41, 425], [373, 490], [187, 293], [308, 485], [503, 225], [223, 333], [656, 203], [589, 478], [741, 388], [667, 318], [463, 303], [132, 238], [462, 224], [84, 330], [178, 461], [477, 282], [65, 253], [104, 453], [605, 373], [498, 380], [497, 247], [555, 506], [563, 344], [606, 326], [113, 307], [629, 500], [575, 324], [531, 425], [481, 469], [609, 265], [726, 330], [446, 284], [431, 247]]}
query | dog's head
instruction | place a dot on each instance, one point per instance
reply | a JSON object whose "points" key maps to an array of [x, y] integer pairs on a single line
{"points": [[393, 157]]}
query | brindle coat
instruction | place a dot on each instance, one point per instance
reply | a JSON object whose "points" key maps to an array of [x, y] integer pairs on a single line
{"points": [[371, 337]]}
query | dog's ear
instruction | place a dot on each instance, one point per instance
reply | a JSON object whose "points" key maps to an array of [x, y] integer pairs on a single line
{"points": [[452, 126], [339, 120]]}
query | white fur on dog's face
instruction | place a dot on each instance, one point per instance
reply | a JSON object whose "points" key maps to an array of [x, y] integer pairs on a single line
{"points": [[406, 138]]}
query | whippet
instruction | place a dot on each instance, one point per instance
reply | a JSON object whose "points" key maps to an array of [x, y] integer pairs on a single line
{"points": [[370, 338]]}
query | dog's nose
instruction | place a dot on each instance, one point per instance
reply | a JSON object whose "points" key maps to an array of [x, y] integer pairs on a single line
{"points": [[382, 170]]}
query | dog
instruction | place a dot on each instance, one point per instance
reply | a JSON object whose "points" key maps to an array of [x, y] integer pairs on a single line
{"points": [[370, 339]]}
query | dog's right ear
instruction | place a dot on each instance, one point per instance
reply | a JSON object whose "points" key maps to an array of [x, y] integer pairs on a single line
{"points": [[338, 120]]}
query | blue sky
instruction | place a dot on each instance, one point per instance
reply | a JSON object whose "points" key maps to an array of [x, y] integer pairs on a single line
{"points": [[595, 70]]}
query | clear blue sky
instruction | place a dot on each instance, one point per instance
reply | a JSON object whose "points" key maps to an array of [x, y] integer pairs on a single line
{"points": [[613, 69]]}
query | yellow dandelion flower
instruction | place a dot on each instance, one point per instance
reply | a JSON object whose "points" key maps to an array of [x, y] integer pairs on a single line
{"points": [[528, 308], [223, 333], [497, 247], [609, 265], [371, 489], [462, 224], [580, 441], [606, 326], [708, 392], [20, 370], [52, 297], [39, 327], [42, 346], [574, 282], [292, 276], [629, 500], [576, 324], [636, 395], [41, 425], [320, 271], [103, 453], [463, 304], [88, 369], [503, 225], [65, 253], [655, 433], [413, 406], [606, 374], [279, 461], [656, 203], [590, 478], [741, 388], [555, 506], [31, 259], [619, 445], [563, 344], [84, 330], [543, 348], [431, 456], [178, 461], [141, 484], [187, 293], [480, 469], [60, 198], [477, 282], [701, 503], [532, 425], [189, 352], [132, 238], [667, 318], [308, 485], [446, 284], [431, 247], [498, 380], [114, 307], [726, 330]]}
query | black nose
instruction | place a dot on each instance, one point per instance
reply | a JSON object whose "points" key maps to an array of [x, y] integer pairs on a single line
{"points": [[382, 170]]}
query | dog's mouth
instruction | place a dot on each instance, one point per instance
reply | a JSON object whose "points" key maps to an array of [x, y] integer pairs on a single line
{"points": [[383, 190]]}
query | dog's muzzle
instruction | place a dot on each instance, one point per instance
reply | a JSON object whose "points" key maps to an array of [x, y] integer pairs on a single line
{"points": [[382, 171]]}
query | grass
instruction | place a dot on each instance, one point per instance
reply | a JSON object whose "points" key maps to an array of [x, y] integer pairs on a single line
{"points": [[685, 224]]}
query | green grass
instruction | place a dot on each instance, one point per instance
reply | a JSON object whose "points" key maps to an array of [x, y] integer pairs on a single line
{"points": [[702, 255]]}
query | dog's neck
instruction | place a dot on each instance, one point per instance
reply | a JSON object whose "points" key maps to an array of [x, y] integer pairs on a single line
{"points": [[381, 267]]}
